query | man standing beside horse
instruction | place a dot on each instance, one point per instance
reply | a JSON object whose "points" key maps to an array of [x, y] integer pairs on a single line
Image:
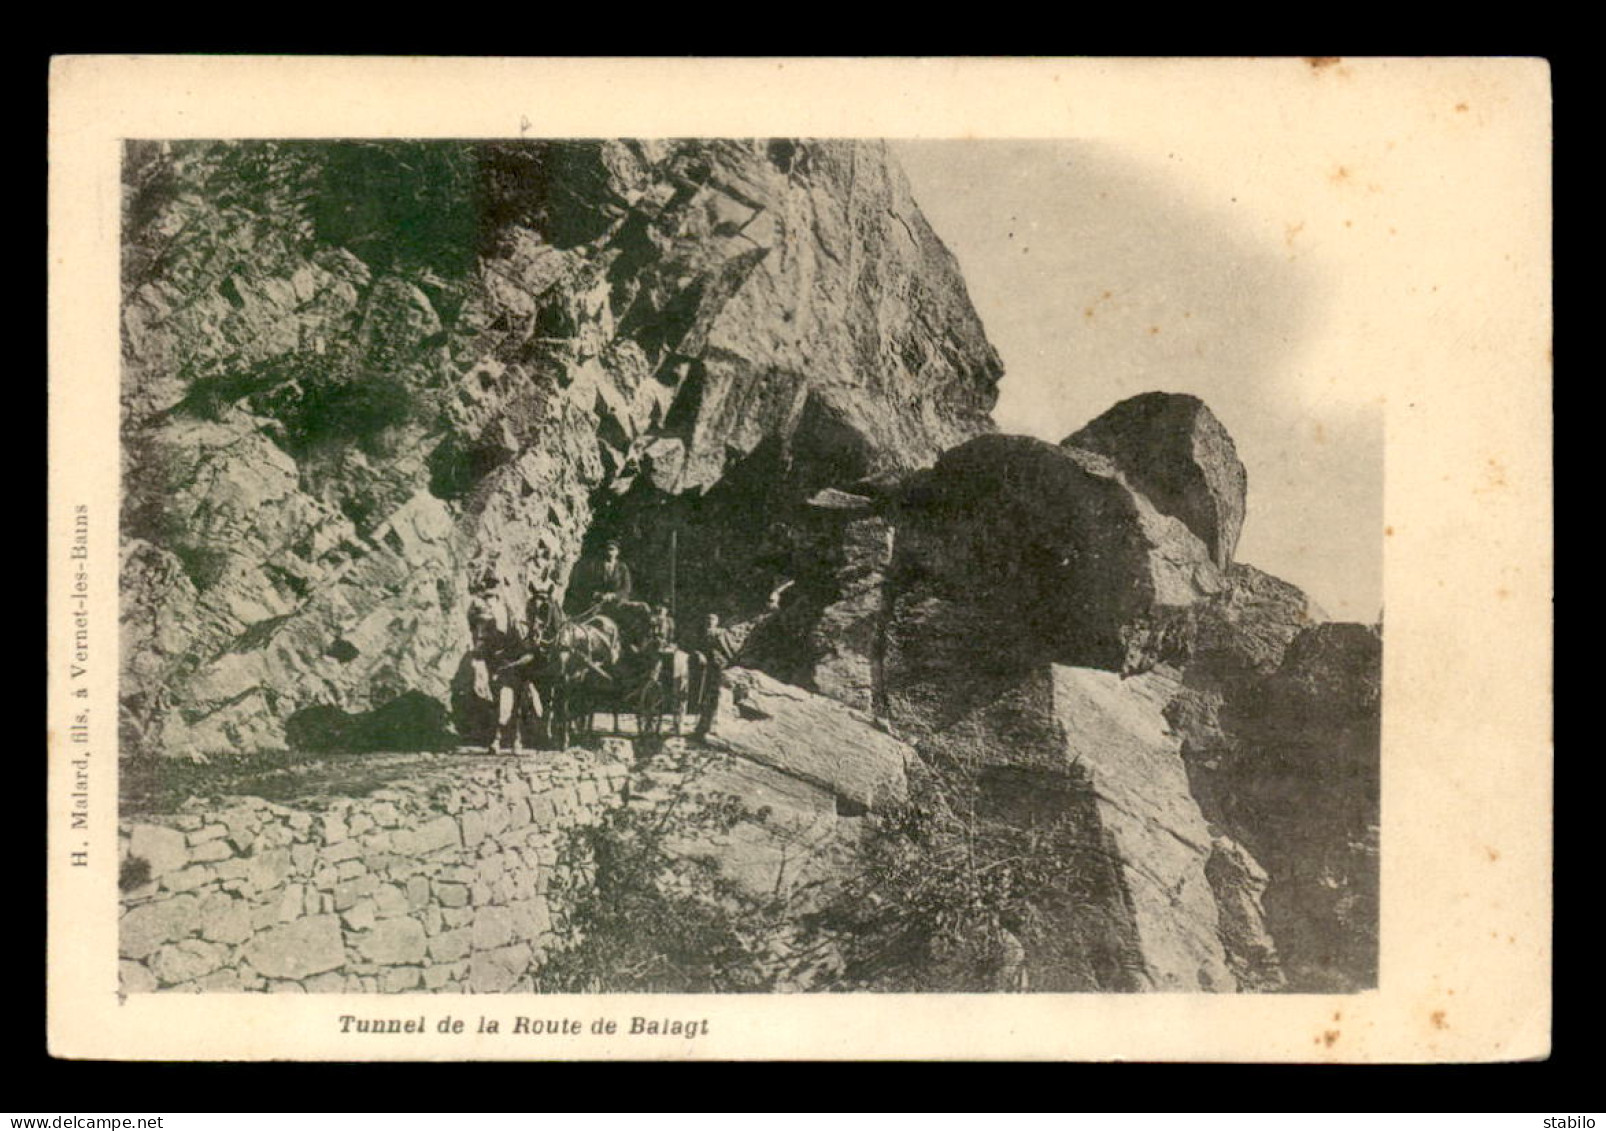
{"points": [[501, 663]]}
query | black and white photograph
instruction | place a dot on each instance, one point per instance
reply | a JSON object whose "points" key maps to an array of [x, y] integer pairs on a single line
{"points": [[732, 564]]}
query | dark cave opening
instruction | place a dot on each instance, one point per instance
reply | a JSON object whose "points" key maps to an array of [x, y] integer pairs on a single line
{"points": [[727, 549], [719, 551]]}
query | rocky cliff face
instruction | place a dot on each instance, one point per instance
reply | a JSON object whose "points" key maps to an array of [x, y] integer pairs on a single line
{"points": [[1292, 768], [360, 378]]}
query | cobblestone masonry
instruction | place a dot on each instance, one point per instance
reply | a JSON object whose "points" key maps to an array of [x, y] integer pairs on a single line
{"points": [[437, 882]]}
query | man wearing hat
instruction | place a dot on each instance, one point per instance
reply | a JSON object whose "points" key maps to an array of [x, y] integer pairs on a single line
{"points": [[606, 582]]}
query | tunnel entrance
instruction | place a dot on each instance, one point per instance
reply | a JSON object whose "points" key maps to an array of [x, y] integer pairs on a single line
{"points": [[727, 549], [719, 551]]}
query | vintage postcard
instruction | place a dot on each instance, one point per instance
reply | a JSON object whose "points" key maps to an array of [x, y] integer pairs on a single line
{"points": [[752, 559]]}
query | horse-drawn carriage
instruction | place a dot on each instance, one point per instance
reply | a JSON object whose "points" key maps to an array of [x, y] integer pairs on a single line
{"points": [[562, 672], [589, 667]]}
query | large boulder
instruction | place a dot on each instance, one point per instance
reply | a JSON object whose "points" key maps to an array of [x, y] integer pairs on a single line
{"points": [[790, 840], [1172, 448], [811, 738], [1067, 562]]}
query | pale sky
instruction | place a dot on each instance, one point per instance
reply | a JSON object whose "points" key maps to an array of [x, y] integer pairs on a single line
{"points": [[1100, 273]]}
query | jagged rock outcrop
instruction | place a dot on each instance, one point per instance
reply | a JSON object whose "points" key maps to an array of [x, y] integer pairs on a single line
{"points": [[1239, 884], [1175, 451], [1248, 624], [359, 376], [1115, 735], [846, 644], [1234, 639], [1291, 769]]}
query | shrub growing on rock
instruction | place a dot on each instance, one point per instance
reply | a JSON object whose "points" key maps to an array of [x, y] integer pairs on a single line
{"points": [[950, 900], [645, 919]]}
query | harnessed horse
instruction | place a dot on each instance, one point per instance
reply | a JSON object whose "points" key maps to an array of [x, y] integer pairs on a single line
{"points": [[584, 668], [571, 656]]}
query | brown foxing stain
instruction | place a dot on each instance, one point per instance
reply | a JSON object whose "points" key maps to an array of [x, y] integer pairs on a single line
{"points": [[1338, 1016], [1437, 1017], [1493, 478], [1349, 223], [1339, 175], [1154, 329], [1388, 532], [1292, 230], [1330, 1036], [1319, 433], [1317, 62], [1461, 107], [1493, 853], [1502, 592]]}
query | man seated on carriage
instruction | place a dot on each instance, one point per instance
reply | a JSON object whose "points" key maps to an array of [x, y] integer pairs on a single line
{"points": [[604, 588], [606, 583]]}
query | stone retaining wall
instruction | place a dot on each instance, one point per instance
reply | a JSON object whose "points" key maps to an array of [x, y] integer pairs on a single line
{"points": [[436, 882]]}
